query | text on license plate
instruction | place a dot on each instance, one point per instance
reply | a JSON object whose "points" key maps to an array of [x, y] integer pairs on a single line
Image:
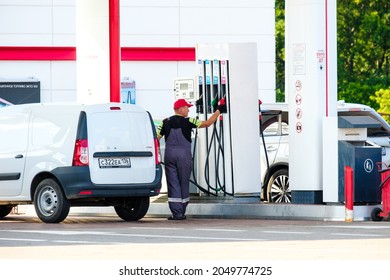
{"points": [[114, 162]]}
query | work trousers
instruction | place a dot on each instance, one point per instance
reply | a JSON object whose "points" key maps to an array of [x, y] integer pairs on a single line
{"points": [[178, 162]]}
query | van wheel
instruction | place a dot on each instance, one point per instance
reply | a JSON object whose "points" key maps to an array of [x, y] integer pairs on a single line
{"points": [[133, 209], [50, 202], [375, 214], [278, 188], [5, 210]]}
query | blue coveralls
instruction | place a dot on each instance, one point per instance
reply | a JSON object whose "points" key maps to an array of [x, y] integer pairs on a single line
{"points": [[178, 161]]}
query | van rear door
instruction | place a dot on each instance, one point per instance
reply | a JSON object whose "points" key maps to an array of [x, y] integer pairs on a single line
{"points": [[13, 148], [121, 145]]}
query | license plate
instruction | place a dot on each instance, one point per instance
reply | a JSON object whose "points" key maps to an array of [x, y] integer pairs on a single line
{"points": [[114, 162]]}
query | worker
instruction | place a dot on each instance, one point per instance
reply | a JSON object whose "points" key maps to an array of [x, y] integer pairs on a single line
{"points": [[177, 158]]}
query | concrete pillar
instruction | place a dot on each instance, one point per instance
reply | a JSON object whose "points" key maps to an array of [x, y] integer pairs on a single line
{"points": [[311, 87], [92, 51]]}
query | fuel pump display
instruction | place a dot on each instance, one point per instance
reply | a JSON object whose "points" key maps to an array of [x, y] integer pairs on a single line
{"points": [[184, 88]]}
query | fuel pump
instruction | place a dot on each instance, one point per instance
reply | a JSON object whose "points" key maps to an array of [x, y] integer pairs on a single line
{"points": [[231, 157], [210, 172], [227, 154]]}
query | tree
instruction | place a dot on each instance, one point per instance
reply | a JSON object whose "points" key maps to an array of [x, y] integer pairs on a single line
{"points": [[280, 49], [363, 42], [363, 28], [382, 97]]}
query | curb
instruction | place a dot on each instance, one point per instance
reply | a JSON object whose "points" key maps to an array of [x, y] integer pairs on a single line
{"points": [[235, 211]]}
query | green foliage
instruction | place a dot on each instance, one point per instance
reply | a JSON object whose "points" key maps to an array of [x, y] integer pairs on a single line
{"points": [[382, 97], [363, 28], [363, 46], [280, 50], [357, 92]]}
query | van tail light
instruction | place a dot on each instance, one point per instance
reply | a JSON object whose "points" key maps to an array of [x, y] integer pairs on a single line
{"points": [[80, 155], [157, 153]]}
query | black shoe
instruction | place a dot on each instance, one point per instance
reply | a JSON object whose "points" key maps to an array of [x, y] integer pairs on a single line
{"points": [[177, 218]]}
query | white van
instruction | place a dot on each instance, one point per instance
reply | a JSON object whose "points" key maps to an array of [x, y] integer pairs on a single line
{"points": [[61, 155]]}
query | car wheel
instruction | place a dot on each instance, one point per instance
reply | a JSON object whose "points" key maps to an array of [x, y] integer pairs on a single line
{"points": [[375, 214], [5, 210], [278, 188], [134, 208], [50, 202]]}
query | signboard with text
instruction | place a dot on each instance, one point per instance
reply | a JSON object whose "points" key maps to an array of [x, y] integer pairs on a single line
{"points": [[19, 92]]}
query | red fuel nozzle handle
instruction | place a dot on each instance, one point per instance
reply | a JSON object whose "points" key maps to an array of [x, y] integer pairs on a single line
{"points": [[222, 105]]}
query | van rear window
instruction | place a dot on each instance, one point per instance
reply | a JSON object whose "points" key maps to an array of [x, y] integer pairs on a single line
{"points": [[120, 131]]}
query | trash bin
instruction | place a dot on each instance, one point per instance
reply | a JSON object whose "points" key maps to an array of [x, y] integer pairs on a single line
{"points": [[362, 156]]}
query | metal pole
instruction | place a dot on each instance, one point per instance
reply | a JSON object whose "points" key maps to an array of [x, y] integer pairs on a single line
{"points": [[348, 185], [115, 56]]}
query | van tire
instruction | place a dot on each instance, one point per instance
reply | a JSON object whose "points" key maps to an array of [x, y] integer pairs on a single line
{"points": [[134, 209], [50, 202], [5, 210]]}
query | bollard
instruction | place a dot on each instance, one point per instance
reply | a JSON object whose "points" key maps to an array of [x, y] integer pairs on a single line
{"points": [[348, 193]]}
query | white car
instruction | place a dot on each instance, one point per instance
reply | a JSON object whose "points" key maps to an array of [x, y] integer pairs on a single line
{"points": [[274, 125]]}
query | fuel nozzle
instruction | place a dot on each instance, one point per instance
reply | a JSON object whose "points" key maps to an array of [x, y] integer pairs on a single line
{"points": [[222, 105], [214, 104], [199, 105], [260, 115]]}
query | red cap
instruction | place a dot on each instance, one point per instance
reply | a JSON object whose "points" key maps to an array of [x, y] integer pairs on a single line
{"points": [[181, 103]]}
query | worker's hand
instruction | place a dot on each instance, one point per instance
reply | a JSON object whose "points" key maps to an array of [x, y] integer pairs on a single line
{"points": [[199, 105], [222, 106]]}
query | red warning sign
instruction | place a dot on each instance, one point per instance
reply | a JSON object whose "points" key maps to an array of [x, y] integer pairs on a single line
{"points": [[298, 99], [320, 56], [298, 127], [298, 85], [298, 113]]}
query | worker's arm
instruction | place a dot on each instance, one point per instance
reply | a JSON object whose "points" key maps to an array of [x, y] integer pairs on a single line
{"points": [[210, 120]]}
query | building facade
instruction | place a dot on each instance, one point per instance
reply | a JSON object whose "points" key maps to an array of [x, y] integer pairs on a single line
{"points": [[158, 40]]}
